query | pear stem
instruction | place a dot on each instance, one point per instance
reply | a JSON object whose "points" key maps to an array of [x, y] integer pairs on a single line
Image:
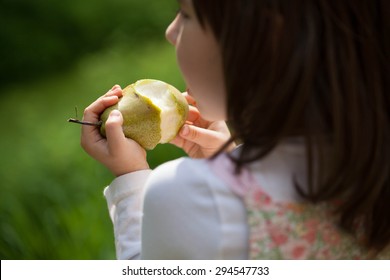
{"points": [[99, 123]]}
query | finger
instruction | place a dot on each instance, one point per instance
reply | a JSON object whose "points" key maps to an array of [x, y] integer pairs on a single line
{"points": [[114, 132], [202, 137], [115, 87], [189, 98], [115, 90], [193, 114], [194, 117], [177, 141], [93, 111], [92, 114]]}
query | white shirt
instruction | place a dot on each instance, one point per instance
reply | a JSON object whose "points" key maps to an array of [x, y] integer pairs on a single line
{"points": [[181, 210]]}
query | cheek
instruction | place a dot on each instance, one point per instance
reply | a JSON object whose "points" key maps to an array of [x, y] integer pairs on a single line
{"points": [[201, 66], [192, 51], [205, 83], [188, 60], [183, 63]]}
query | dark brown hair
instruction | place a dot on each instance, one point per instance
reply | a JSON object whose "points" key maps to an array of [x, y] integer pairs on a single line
{"points": [[317, 69]]}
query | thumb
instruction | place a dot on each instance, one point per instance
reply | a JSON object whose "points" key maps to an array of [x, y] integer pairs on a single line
{"points": [[114, 132]]}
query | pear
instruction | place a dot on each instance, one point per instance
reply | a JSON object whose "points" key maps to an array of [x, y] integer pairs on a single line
{"points": [[153, 112]]}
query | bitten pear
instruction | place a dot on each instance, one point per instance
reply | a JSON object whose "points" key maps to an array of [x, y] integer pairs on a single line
{"points": [[153, 112]]}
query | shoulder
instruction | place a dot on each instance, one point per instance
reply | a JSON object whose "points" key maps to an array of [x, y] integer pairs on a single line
{"points": [[179, 213], [188, 181], [180, 173], [182, 182]]}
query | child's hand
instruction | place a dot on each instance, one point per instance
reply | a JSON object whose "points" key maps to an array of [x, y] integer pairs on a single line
{"points": [[200, 138], [118, 153]]}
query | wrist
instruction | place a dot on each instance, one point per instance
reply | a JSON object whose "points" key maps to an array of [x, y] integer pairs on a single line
{"points": [[122, 170]]}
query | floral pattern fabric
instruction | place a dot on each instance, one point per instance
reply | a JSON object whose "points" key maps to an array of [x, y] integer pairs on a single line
{"points": [[289, 230], [295, 231]]}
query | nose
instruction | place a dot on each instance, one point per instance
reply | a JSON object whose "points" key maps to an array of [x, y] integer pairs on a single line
{"points": [[172, 31]]}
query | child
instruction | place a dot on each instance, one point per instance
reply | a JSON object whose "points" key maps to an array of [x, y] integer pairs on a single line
{"points": [[305, 87]]}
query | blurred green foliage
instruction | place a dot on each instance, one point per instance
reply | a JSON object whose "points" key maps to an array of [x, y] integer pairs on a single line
{"points": [[57, 55], [42, 36]]}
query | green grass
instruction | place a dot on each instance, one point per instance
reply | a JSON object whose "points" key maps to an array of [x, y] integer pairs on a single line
{"points": [[52, 205]]}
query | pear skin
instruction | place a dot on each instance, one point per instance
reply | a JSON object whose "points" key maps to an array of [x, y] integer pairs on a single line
{"points": [[142, 118]]}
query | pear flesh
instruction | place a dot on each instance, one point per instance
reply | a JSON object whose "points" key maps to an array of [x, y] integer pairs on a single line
{"points": [[153, 112]]}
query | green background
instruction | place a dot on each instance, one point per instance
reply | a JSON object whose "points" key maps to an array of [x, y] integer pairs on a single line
{"points": [[55, 56]]}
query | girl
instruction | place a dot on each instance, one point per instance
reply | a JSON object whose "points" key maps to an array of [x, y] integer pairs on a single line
{"points": [[304, 86]]}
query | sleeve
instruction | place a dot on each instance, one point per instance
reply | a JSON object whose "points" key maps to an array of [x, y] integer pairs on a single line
{"points": [[180, 215], [177, 211], [125, 202]]}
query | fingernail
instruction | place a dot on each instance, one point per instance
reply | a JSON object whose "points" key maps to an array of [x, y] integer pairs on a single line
{"points": [[185, 130], [115, 114]]}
